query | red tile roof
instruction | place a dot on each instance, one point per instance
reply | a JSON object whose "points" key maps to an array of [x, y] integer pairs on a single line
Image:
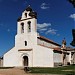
{"points": [[48, 40], [57, 49]]}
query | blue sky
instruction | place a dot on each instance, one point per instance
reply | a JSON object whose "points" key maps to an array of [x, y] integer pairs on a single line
{"points": [[55, 20]]}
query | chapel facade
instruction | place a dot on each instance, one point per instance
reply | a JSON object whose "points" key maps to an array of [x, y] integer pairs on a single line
{"points": [[30, 48]]}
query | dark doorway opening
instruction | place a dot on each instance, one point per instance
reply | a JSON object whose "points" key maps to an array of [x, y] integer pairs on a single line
{"points": [[25, 61]]}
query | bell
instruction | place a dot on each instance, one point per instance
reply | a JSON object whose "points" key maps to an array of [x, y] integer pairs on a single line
{"points": [[73, 34]]}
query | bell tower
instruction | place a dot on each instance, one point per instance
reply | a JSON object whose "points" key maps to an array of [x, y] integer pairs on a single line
{"points": [[26, 27], [27, 22]]}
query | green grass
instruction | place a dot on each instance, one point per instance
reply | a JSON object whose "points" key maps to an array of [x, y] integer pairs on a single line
{"points": [[67, 70]]}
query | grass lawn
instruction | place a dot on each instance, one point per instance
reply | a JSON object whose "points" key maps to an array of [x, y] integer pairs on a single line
{"points": [[66, 70]]}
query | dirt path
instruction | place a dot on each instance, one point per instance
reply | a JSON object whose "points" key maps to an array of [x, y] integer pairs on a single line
{"points": [[17, 71], [14, 71]]}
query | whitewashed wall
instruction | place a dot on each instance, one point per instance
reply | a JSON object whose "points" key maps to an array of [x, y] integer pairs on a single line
{"points": [[29, 55], [57, 58], [14, 58], [43, 57], [10, 58]]}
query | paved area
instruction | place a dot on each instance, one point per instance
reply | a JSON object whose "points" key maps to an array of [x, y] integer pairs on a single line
{"points": [[17, 71]]}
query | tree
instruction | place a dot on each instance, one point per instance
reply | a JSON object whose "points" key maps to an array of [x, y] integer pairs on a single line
{"points": [[72, 2], [73, 34]]}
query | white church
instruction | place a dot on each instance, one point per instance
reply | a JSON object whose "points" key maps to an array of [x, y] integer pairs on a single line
{"points": [[31, 49]]}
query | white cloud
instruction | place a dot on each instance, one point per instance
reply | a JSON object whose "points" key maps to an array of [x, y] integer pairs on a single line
{"points": [[51, 31], [72, 16], [44, 6], [43, 27], [46, 28]]}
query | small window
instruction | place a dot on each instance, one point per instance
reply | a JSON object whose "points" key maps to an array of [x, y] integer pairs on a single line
{"points": [[26, 14], [25, 43], [22, 27], [29, 26]]}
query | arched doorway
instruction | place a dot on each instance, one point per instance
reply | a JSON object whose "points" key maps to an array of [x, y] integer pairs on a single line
{"points": [[25, 60]]}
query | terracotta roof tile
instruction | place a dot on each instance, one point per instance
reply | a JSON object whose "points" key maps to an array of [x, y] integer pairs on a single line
{"points": [[48, 40]]}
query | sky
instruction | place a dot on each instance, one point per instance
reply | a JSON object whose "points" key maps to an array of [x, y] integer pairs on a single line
{"points": [[55, 20]]}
